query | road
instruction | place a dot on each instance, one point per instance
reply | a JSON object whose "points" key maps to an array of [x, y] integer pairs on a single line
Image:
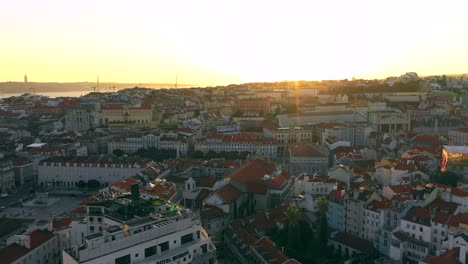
{"points": [[22, 192], [61, 206]]}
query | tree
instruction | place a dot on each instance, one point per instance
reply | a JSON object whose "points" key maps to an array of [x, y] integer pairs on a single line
{"points": [[93, 184], [118, 152], [322, 205], [81, 184]]}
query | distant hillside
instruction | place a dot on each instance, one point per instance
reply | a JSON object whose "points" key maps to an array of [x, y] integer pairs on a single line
{"points": [[21, 87]]}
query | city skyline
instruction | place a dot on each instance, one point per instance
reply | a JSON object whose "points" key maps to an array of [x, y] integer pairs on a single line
{"points": [[212, 43]]}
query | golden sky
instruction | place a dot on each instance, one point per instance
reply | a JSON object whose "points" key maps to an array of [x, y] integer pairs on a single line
{"points": [[222, 42]]}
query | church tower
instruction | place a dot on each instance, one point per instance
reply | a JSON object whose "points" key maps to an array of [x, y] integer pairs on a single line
{"points": [[25, 78]]}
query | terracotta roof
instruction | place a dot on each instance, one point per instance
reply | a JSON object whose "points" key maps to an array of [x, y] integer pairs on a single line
{"points": [[12, 252], [459, 192], [207, 182], [419, 215], [264, 246], [352, 241], [228, 193], [15, 251], [402, 188], [306, 149], [276, 182], [443, 206], [449, 257], [253, 171], [210, 211], [62, 223], [125, 184]]}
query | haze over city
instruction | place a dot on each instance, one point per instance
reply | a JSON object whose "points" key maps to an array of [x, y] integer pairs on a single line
{"points": [[216, 42], [233, 132]]}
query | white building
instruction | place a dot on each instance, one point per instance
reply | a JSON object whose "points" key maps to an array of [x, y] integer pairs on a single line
{"points": [[7, 176], [78, 120], [170, 237], [458, 136], [34, 246], [61, 173], [243, 142]]}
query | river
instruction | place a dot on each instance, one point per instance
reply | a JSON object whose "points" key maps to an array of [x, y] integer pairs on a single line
{"points": [[50, 94]]}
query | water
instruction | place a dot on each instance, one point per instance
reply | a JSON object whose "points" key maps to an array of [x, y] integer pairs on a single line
{"points": [[50, 94]]}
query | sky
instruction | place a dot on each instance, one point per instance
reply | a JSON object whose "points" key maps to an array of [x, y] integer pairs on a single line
{"points": [[221, 42]]}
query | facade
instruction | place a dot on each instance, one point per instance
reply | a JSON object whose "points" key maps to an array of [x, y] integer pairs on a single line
{"points": [[61, 173], [458, 136], [389, 121], [78, 120], [288, 135], [34, 246], [307, 157], [119, 113], [244, 142], [24, 171], [7, 176], [171, 237], [336, 213], [253, 106], [455, 159]]}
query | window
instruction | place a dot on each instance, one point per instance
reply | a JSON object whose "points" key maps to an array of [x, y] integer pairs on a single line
{"points": [[164, 246], [91, 218], [420, 229], [150, 251], [91, 228], [186, 239], [123, 260]]}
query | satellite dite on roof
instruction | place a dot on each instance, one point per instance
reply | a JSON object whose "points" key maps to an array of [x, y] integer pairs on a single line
{"points": [[36, 145]]}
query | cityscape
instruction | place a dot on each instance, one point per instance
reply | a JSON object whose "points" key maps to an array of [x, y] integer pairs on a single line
{"points": [[209, 132]]}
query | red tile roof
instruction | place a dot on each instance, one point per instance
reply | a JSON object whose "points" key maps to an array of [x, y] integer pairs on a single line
{"points": [[449, 257], [12, 252], [207, 182], [419, 215], [402, 188], [38, 237], [306, 149], [459, 192], [58, 224], [276, 182], [228, 193], [125, 184], [270, 253], [15, 251], [210, 211], [352, 241], [253, 171]]}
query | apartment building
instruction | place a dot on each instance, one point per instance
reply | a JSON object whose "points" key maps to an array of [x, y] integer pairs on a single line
{"points": [[112, 236]]}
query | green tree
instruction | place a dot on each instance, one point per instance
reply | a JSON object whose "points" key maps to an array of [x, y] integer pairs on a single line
{"points": [[93, 184], [322, 205], [81, 184], [118, 152]]}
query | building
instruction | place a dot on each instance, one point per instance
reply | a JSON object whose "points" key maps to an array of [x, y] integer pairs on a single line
{"points": [[78, 119], [111, 236], [244, 142], [389, 121], [288, 135], [455, 159], [63, 173], [33, 246], [336, 213], [247, 243], [24, 171], [458, 136], [141, 115], [253, 106], [7, 176], [307, 157]]}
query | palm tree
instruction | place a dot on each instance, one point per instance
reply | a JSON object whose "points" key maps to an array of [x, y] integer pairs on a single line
{"points": [[322, 205]]}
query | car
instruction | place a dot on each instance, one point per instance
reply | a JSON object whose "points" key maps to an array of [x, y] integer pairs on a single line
{"points": [[4, 195], [2, 208]]}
